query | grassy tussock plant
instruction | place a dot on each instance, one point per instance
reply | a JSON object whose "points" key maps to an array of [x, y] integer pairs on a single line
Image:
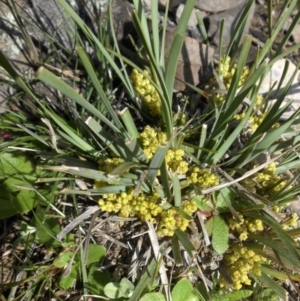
{"points": [[219, 176]]}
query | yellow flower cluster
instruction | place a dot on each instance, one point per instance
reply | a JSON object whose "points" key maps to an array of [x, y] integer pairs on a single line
{"points": [[258, 101], [146, 91], [239, 117], [107, 165], [226, 71], [240, 261], [180, 118], [153, 138], [202, 177], [174, 161], [245, 226], [256, 121], [127, 204], [172, 220], [146, 207], [292, 222], [267, 182]]}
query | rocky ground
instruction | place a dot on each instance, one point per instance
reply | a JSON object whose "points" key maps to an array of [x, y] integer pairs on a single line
{"points": [[51, 19]]}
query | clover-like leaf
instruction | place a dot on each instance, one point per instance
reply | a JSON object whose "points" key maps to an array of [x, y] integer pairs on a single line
{"points": [[153, 297], [116, 290], [63, 259], [182, 290], [15, 163]]}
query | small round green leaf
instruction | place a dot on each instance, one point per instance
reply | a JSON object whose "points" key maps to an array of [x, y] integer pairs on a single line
{"points": [[153, 297], [182, 290], [63, 259], [97, 280], [112, 290], [15, 163], [95, 254], [66, 282], [25, 201]]}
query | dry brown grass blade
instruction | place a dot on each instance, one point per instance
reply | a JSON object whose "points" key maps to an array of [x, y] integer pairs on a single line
{"points": [[77, 221], [157, 254]]}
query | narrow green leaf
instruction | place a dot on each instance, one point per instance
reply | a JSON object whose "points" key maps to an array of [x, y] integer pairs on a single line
{"points": [[53, 81], [269, 282], [176, 47], [144, 281], [184, 214], [176, 190], [291, 253], [285, 14], [123, 168], [155, 30], [267, 140], [14, 74], [93, 77], [129, 123], [280, 275], [176, 251], [90, 174], [89, 35], [156, 162], [184, 239], [165, 180], [239, 29], [225, 145], [104, 136]]}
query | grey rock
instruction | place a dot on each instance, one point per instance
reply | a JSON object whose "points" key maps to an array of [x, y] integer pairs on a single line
{"points": [[296, 34], [193, 22], [44, 14], [231, 18], [274, 77], [214, 6]]}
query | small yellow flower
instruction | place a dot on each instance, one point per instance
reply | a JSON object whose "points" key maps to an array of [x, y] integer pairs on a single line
{"points": [[226, 71], [146, 91], [240, 262]]}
